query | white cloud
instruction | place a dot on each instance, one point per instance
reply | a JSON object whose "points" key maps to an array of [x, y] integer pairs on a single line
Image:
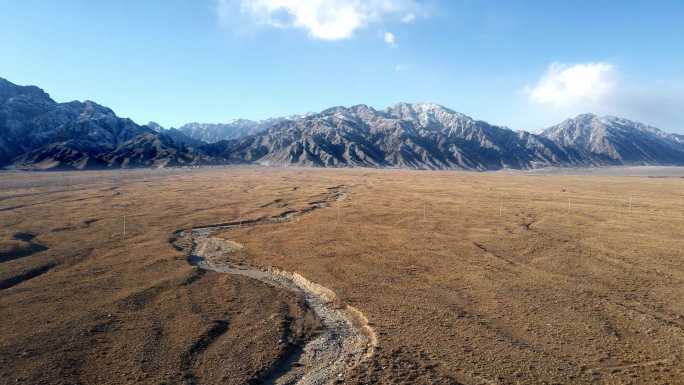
{"points": [[567, 86], [408, 18], [322, 19], [599, 87], [390, 39]]}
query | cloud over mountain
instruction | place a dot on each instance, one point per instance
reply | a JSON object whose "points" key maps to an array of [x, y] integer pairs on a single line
{"points": [[602, 87], [564, 86]]}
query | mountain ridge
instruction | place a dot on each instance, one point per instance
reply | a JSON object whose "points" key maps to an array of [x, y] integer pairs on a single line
{"points": [[39, 133], [617, 140], [232, 129]]}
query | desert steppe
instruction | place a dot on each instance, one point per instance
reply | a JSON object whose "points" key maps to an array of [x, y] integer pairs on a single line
{"points": [[465, 278]]}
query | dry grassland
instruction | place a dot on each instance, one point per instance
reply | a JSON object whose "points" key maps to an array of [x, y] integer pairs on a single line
{"points": [[466, 277]]}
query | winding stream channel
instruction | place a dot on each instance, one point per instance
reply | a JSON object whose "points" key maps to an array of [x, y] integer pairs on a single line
{"points": [[346, 338]]}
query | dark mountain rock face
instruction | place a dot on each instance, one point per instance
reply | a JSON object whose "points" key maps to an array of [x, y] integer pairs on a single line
{"points": [[151, 150], [420, 136], [38, 133], [177, 135], [614, 140]]}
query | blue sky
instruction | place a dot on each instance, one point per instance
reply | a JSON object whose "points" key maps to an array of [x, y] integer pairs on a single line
{"points": [[524, 64]]}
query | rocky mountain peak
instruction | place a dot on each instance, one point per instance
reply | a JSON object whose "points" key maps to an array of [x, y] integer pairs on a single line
{"points": [[155, 126], [589, 125], [428, 115], [9, 90], [617, 140], [93, 111]]}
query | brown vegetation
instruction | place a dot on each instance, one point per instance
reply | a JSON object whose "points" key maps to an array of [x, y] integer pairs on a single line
{"points": [[466, 278]]}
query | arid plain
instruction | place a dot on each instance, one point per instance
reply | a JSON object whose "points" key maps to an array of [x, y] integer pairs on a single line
{"points": [[470, 278]]}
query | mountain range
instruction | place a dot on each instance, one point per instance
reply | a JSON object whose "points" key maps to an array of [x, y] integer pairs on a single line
{"points": [[39, 133], [233, 129]]}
